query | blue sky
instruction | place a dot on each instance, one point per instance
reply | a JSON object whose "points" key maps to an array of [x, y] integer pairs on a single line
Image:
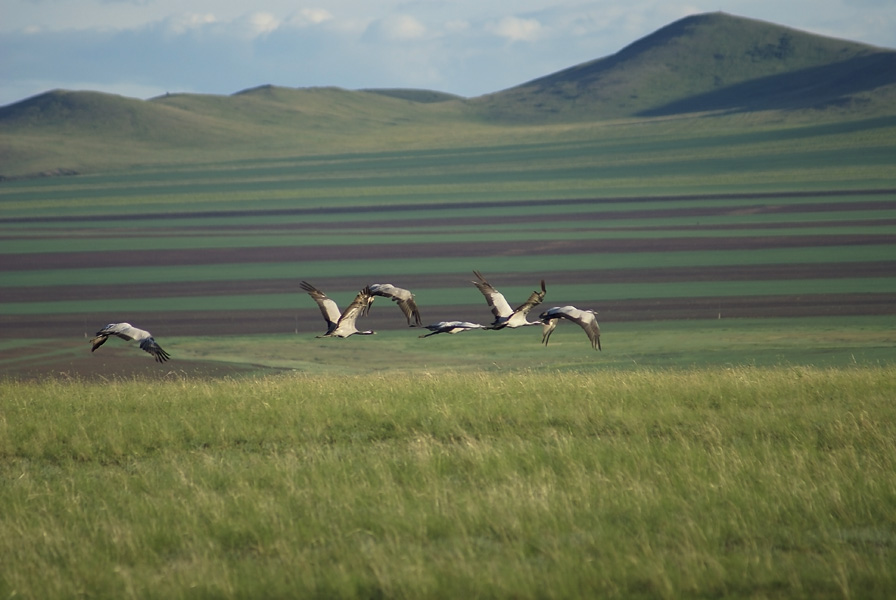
{"points": [[144, 48]]}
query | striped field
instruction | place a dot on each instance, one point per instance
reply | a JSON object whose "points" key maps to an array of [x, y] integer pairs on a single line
{"points": [[733, 438], [682, 226]]}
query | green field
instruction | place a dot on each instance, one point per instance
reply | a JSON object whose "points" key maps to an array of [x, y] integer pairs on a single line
{"points": [[732, 439], [737, 482], [629, 218]]}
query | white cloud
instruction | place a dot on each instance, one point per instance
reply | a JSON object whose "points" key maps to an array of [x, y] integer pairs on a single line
{"points": [[182, 23], [261, 23], [396, 28], [517, 29], [310, 16]]}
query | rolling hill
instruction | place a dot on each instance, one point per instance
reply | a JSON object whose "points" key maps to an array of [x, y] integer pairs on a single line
{"points": [[711, 63], [708, 62]]}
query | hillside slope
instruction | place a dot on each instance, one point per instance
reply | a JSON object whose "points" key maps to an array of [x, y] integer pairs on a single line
{"points": [[710, 62], [704, 62], [63, 132]]}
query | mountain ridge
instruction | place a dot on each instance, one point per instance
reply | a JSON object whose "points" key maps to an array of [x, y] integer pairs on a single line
{"points": [[691, 58], [712, 63]]}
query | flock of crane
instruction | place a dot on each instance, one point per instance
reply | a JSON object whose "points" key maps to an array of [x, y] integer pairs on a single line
{"points": [[343, 323]]}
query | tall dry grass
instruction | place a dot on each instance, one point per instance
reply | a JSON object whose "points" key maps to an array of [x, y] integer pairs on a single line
{"points": [[742, 482]]}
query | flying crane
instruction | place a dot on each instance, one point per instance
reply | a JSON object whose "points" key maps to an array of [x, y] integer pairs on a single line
{"points": [[586, 319], [504, 315], [126, 331], [451, 327], [404, 298], [340, 324]]}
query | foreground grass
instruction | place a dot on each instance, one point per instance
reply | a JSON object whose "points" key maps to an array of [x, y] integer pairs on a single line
{"points": [[738, 482]]}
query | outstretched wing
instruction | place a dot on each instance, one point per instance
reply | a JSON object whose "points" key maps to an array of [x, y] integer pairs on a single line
{"points": [[97, 341], [328, 308], [150, 345], [404, 298], [359, 305], [497, 302], [588, 322], [534, 300], [123, 330]]}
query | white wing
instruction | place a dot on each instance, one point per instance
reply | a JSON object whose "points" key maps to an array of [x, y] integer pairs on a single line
{"points": [[497, 302], [404, 298], [586, 319], [328, 308]]}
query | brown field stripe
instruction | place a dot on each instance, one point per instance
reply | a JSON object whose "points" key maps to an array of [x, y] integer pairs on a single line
{"points": [[554, 279], [520, 248], [416, 226], [397, 207], [307, 319]]}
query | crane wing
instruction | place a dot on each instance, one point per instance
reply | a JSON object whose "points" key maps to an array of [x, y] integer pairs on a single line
{"points": [[588, 322], [534, 300], [404, 298], [497, 302], [359, 305], [97, 341], [123, 330], [328, 308], [150, 345], [126, 331]]}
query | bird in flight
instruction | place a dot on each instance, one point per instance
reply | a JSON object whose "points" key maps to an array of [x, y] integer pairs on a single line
{"points": [[451, 327], [340, 324], [586, 319], [126, 331], [504, 315], [404, 298]]}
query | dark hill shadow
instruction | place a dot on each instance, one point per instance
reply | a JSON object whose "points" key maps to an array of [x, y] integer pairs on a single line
{"points": [[814, 87]]}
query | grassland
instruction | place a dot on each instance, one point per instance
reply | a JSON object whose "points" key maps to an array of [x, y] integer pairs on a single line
{"points": [[732, 439], [736, 218], [736, 482]]}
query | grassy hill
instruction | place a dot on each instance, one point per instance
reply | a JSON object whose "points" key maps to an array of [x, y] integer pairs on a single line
{"points": [[90, 131], [704, 62], [712, 62]]}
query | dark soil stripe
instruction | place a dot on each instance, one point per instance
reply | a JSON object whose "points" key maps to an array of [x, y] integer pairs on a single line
{"points": [[297, 254], [418, 226], [818, 305], [554, 279], [307, 320], [441, 206]]}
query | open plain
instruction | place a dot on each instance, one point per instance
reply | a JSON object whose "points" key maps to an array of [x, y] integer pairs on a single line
{"points": [[733, 438], [703, 258]]}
